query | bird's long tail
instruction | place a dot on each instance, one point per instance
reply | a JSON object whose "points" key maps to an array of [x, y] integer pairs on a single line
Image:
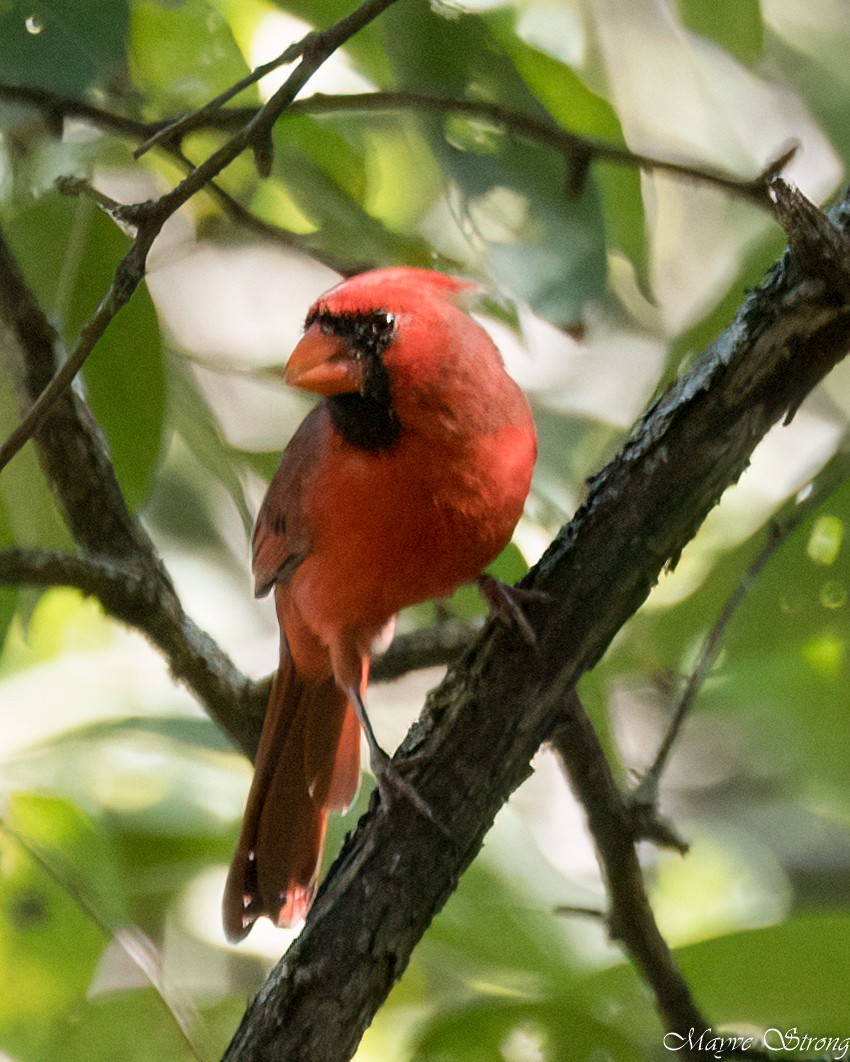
{"points": [[307, 764]]}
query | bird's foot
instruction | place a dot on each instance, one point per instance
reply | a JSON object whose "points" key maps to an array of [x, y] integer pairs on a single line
{"points": [[393, 787], [506, 602]]}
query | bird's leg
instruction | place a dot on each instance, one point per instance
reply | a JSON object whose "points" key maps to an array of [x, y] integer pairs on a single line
{"points": [[390, 783], [506, 602]]}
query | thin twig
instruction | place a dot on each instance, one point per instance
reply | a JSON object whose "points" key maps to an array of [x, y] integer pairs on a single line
{"points": [[176, 129], [572, 145], [798, 510], [568, 910], [630, 917], [51, 103], [318, 48], [57, 104]]}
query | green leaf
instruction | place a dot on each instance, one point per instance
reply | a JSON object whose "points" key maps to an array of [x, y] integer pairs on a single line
{"points": [[365, 48], [563, 93], [182, 54], [703, 332], [328, 193], [557, 1030], [734, 24], [192, 418], [110, 1027], [811, 54], [541, 244], [785, 975], [504, 983], [69, 251], [8, 594], [529, 950], [579, 110], [66, 47], [794, 973], [196, 734], [30, 516], [48, 934], [124, 376], [126, 390]]}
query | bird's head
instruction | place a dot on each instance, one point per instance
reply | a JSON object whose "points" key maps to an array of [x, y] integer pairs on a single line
{"points": [[351, 327], [382, 340]]}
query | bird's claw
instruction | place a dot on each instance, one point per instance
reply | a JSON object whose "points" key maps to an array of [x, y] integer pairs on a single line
{"points": [[392, 786], [505, 602]]}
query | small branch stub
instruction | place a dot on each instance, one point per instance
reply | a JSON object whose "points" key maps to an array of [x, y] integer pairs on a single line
{"points": [[821, 250]]}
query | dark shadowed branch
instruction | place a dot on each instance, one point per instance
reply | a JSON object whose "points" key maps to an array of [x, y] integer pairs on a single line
{"points": [[135, 591]]}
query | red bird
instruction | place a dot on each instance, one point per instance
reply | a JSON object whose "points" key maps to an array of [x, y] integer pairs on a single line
{"points": [[402, 484]]}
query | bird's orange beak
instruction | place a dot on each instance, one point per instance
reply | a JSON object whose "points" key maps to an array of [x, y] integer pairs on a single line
{"points": [[324, 364]]}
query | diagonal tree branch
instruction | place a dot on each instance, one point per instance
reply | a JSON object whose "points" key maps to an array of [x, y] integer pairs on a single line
{"points": [[475, 741], [175, 130], [75, 460]]}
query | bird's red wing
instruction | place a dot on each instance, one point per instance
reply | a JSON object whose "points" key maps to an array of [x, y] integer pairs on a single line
{"points": [[282, 537]]}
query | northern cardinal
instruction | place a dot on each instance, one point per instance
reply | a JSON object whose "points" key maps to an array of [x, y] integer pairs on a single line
{"points": [[403, 483]]}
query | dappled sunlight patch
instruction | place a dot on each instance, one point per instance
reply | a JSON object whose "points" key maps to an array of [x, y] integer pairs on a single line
{"points": [[726, 883]]}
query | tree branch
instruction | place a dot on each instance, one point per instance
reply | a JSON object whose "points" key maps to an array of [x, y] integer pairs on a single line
{"points": [[481, 728], [577, 149], [476, 740], [74, 457], [176, 129], [150, 216], [130, 590], [612, 826]]}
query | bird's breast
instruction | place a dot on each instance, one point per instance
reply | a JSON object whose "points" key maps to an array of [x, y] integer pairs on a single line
{"points": [[391, 530]]}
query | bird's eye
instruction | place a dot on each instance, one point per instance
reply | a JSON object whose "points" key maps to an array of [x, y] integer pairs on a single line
{"points": [[363, 331], [378, 327]]}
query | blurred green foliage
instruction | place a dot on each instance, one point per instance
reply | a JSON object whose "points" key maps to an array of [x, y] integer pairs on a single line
{"points": [[120, 802]]}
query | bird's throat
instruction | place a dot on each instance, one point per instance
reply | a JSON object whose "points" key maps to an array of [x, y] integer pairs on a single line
{"points": [[366, 419], [365, 422]]}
